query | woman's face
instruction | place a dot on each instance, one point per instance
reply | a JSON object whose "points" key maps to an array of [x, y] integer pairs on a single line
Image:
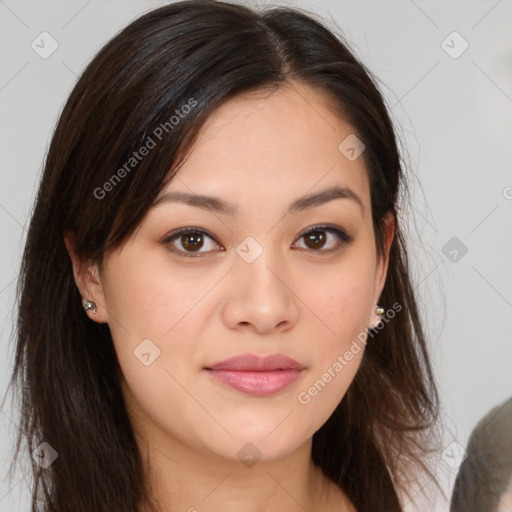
{"points": [[259, 280]]}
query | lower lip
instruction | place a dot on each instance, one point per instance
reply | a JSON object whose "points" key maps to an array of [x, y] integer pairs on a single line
{"points": [[253, 383]]}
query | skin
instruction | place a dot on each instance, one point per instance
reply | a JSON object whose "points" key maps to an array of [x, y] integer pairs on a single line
{"points": [[505, 504], [261, 151]]}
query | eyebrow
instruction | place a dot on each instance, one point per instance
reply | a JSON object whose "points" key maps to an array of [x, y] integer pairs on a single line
{"points": [[220, 206]]}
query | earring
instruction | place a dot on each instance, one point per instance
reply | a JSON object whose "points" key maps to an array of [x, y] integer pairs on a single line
{"points": [[379, 311], [88, 305]]}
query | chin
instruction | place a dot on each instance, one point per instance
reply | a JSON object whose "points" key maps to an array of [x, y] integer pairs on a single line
{"points": [[257, 445]]}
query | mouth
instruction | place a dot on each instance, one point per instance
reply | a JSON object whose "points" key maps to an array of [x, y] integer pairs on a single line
{"points": [[255, 375]]}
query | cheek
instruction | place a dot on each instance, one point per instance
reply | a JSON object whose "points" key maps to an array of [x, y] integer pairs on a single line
{"points": [[155, 322], [149, 296], [341, 300], [342, 306], [153, 316]]}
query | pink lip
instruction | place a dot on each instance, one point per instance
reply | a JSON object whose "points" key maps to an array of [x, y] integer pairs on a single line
{"points": [[255, 375]]}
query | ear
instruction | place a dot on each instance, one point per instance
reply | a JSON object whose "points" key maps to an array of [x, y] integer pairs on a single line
{"points": [[383, 260], [88, 281]]}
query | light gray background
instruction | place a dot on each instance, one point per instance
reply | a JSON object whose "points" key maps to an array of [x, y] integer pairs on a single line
{"points": [[454, 116]]}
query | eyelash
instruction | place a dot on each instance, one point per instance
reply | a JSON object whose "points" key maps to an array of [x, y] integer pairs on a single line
{"points": [[329, 228]]}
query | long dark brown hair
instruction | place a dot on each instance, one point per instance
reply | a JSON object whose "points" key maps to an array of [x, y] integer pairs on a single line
{"points": [[198, 53]]}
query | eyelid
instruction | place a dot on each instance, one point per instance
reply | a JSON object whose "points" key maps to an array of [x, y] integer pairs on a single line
{"points": [[326, 227], [333, 228], [343, 236], [188, 229]]}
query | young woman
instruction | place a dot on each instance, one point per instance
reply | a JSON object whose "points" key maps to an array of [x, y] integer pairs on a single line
{"points": [[215, 307]]}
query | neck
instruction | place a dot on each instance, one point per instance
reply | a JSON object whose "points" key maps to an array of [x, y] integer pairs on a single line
{"points": [[183, 478]]}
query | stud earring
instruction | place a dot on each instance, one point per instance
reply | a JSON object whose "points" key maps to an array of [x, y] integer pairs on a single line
{"points": [[379, 311], [88, 305]]}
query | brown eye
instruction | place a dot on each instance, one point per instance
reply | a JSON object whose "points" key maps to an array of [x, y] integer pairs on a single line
{"points": [[315, 239], [192, 241], [189, 242]]}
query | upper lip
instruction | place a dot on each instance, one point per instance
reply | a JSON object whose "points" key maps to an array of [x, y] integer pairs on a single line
{"points": [[252, 362]]}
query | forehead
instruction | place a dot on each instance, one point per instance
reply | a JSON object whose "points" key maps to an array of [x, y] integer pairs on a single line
{"points": [[272, 145]]}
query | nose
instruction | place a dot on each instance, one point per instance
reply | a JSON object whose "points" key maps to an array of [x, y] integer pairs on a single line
{"points": [[261, 296]]}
